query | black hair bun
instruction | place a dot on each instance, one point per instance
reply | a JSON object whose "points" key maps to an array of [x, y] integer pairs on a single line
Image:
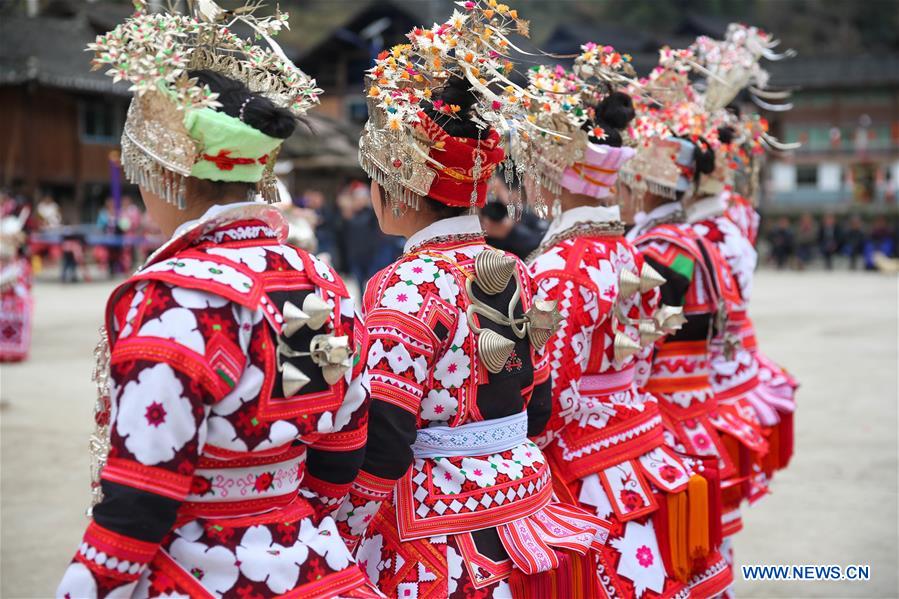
{"points": [[705, 157], [617, 110], [456, 91], [726, 134], [255, 110], [612, 115]]}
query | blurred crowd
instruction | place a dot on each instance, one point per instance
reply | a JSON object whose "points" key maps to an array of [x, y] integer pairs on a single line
{"points": [[799, 244], [344, 231]]}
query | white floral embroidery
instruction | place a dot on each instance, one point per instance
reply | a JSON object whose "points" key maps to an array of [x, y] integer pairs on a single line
{"points": [[221, 433], [418, 271], [205, 270], [196, 299], [454, 569], [77, 582], [280, 433], [447, 477], [402, 297], [358, 518], [527, 454], [356, 392], [510, 468], [326, 542], [215, 568], [480, 472], [178, 325], [136, 303], [252, 257], [290, 255], [400, 361], [447, 287], [376, 353], [439, 405], [153, 417], [323, 270], [246, 390], [452, 369], [369, 557], [263, 560], [641, 561]]}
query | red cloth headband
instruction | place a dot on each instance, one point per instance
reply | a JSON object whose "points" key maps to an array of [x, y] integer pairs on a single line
{"points": [[455, 181]]}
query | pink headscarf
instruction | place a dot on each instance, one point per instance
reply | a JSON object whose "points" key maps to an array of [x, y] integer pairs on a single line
{"points": [[597, 173]]}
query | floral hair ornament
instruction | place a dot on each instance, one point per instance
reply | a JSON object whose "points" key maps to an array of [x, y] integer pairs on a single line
{"points": [[565, 155], [670, 123], [173, 130], [406, 151]]}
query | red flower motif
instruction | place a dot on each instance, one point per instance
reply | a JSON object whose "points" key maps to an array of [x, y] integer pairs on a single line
{"points": [[287, 532], [247, 592], [315, 569], [669, 473], [264, 482], [155, 414], [644, 556], [219, 533], [200, 485], [701, 441], [224, 162], [630, 499]]}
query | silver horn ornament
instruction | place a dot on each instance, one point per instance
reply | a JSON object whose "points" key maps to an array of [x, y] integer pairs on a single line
{"points": [[292, 379], [494, 350], [650, 278], [543, 320], [624, 347], [317, 309], [294, 319], [493, 271], [670, 318], [333, 354], [628, 283]]}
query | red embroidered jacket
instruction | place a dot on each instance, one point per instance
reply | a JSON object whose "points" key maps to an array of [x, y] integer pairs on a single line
{"points": [[601, 423], [218, 480], [698, 279], [425, 370]]}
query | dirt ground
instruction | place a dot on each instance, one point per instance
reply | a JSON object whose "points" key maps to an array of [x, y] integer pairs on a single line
{"points": [[837, 504]]}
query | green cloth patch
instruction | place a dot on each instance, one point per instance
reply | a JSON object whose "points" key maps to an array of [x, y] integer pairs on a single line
{"points": [[229, 149], [683, 265]]}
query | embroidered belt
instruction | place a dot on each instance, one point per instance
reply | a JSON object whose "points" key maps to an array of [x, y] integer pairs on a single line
{"points": [[472, 439], [608, 382], [268, 479]]}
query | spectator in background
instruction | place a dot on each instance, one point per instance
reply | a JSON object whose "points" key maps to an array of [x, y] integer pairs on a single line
{"points": [[368, 250], [48, 213], [72, 257], [880, 240], [327, 223], [806, 238], [106, 216], [782, 242], [505, 234], [830, 239], [854, 240]]}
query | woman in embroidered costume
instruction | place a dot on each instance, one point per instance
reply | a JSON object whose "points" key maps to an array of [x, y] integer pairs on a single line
{"points": [[733, 64], [662, 175], [604, 441], [453, 499], [16, 304], [231, 419]]}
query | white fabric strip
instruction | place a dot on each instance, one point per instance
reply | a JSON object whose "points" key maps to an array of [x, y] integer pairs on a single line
{"points": [[472, 439]]}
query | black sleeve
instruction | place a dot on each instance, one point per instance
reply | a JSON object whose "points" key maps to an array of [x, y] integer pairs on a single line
{"points": [[391, 433], [540, 408]]}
